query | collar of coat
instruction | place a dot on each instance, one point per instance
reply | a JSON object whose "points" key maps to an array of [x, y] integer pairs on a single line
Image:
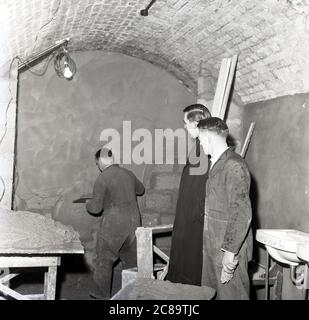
{"points": [[225, 155]]}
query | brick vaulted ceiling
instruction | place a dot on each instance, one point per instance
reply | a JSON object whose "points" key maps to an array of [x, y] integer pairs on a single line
{"points": [[271, 37]]}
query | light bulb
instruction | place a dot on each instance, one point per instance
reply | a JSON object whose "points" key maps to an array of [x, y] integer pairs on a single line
{"points": [[67, 73]]}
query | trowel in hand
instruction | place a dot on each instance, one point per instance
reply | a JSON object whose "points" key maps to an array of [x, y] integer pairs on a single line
{"points": [[83, 199]]}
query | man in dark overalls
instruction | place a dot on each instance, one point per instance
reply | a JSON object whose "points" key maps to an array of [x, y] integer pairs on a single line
{"points": [[115, 192], [186, 256], [227, 225]]}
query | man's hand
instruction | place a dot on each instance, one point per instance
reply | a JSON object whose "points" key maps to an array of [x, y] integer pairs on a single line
{"points": [[229, 265], [226, 276], [228, 260]]}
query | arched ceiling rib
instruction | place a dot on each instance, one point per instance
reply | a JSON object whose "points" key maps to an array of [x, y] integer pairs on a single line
{"points": [[271, 37]]}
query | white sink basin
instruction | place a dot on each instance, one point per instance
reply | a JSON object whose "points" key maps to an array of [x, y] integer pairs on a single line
{"points": [[302, 251], [282, 244]]}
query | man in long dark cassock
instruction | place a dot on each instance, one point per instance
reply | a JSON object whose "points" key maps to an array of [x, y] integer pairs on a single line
{"points": [[185, 265], [227, 225]]}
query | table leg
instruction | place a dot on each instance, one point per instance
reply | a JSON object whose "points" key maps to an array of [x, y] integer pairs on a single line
{"points": [[306, 281], [6, 290], [267, 276], [144, 245], [50, 279]]}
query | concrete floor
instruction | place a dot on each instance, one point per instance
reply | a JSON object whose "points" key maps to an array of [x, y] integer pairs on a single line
{"points": [[74, 281]]}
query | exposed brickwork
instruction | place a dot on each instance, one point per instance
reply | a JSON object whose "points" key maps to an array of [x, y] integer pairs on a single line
{"points": [[160, 201], [166, 181], [164, 168], [150, 219], [160, 204], [269, 36]]}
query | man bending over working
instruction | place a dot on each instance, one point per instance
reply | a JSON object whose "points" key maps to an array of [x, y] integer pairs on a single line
{"points": [[114, 192]]}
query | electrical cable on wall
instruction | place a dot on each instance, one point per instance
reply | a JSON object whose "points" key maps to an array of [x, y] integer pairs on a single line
{"points": [[3, 191], [6, 120], [36, 73], [33, 72]]}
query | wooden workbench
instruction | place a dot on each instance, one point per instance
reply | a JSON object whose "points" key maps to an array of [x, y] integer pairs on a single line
{"points": [[30, 240]]}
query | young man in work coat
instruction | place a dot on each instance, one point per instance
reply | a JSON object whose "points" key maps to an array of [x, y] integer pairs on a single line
{"points": [[185, 265], [227, 225], [115, 192]]}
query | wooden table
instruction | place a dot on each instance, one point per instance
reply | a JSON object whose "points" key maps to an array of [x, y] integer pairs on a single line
{"points": [[30, 240], [49, 259]]}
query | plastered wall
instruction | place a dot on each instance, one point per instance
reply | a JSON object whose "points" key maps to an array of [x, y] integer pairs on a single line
{"points": [[60, 122], [278, 158]]}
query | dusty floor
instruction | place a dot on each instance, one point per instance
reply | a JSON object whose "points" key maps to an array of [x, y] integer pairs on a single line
{"points": [[74, 281]]}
